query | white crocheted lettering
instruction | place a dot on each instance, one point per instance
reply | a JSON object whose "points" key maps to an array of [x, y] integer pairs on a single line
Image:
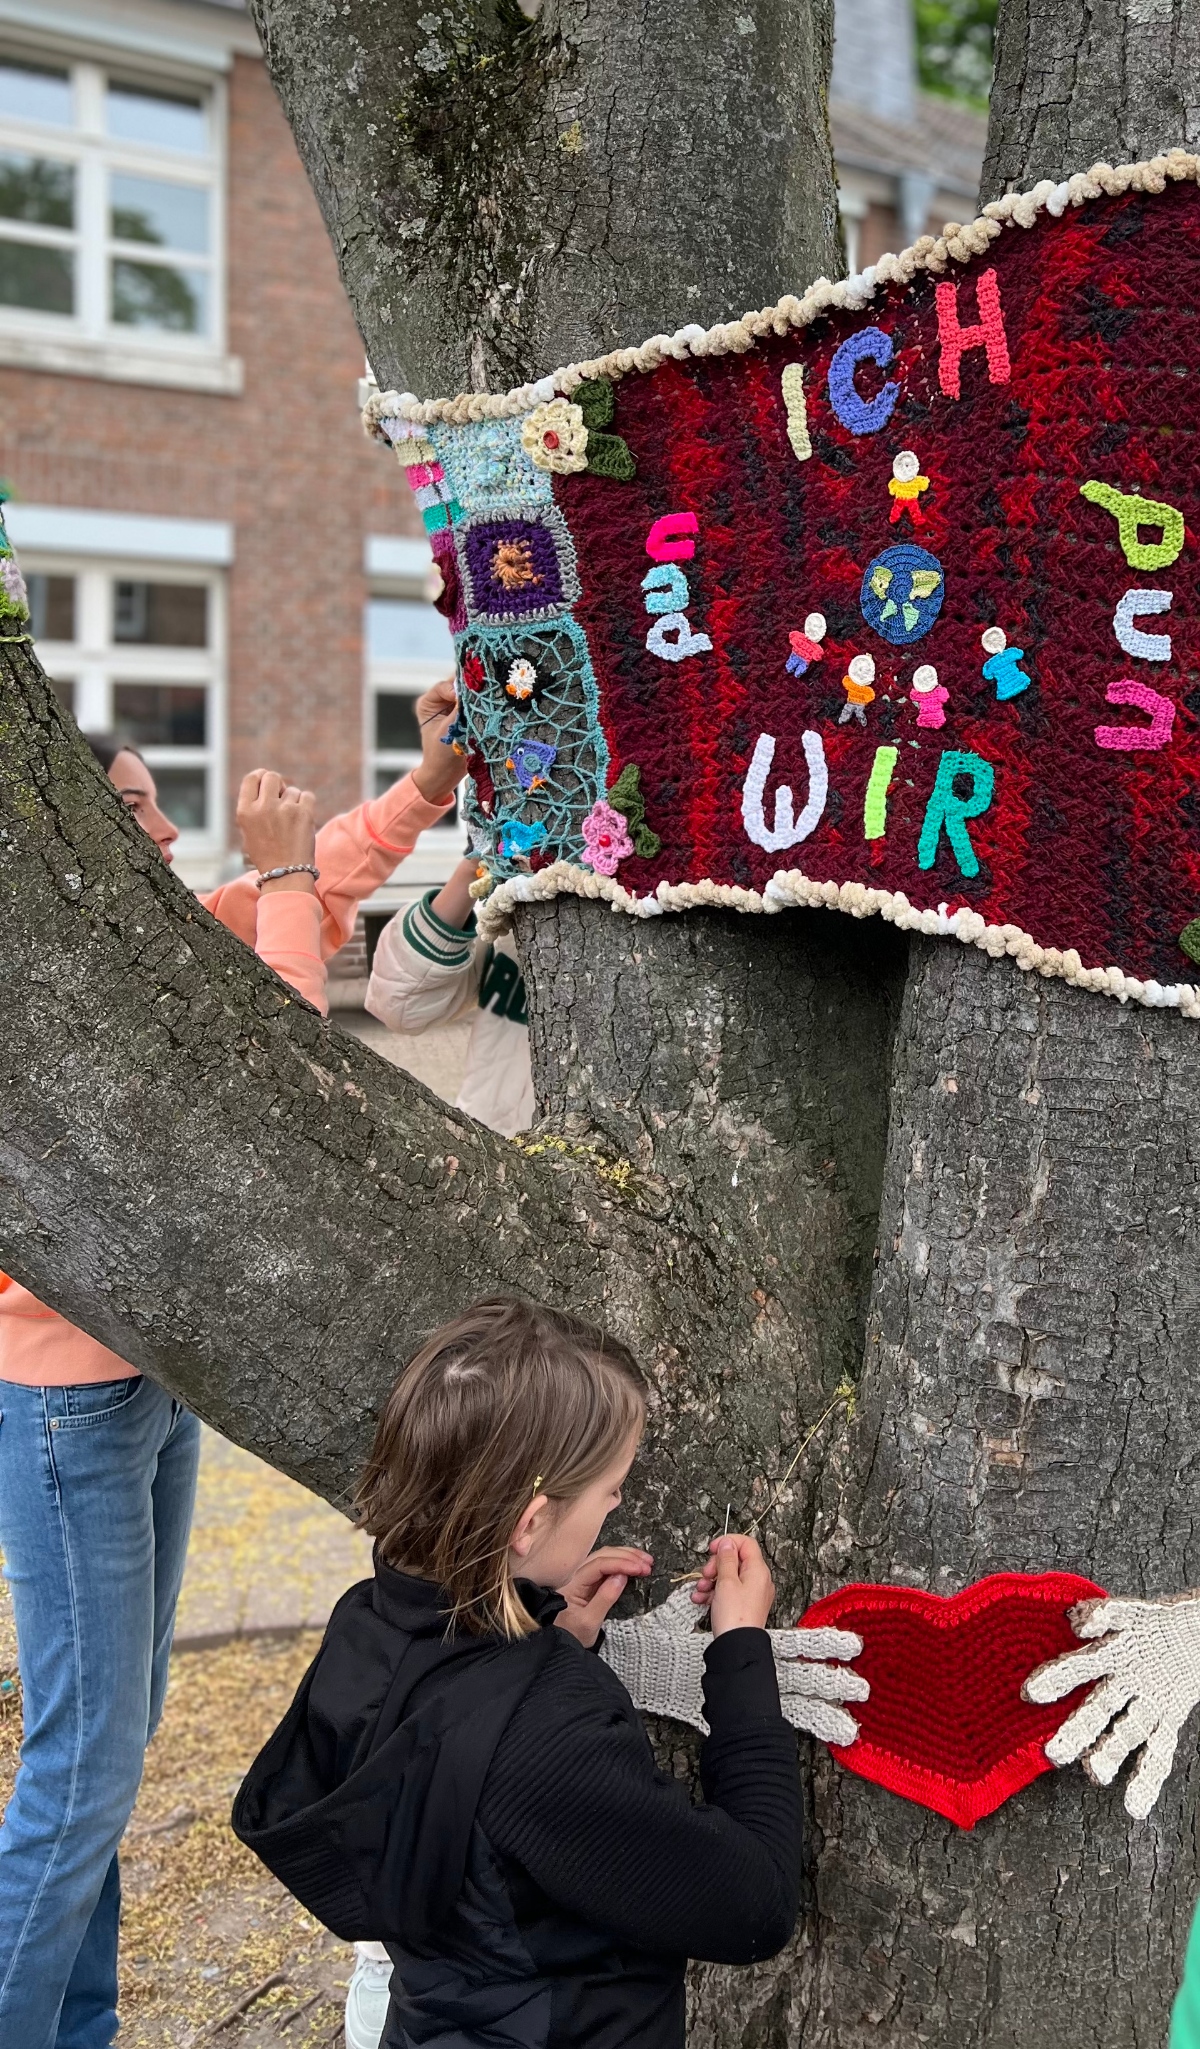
{"points": [[1145, 647], [787, 829], [687, 642]]}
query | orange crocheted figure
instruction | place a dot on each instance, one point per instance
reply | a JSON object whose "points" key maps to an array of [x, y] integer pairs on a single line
{"points": [[906, 485], [857, 682]]}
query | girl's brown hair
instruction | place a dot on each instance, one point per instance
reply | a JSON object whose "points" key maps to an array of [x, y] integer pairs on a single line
{"points": [[508, 1400]]}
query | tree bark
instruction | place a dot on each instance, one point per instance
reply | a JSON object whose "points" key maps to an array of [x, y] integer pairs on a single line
{"points": [[751, 1160], [1028, 1398], [506, 195]]}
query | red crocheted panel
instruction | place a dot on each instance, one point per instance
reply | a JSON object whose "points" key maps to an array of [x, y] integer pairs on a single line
{"points": [[1048, 778], [945, 1724]]}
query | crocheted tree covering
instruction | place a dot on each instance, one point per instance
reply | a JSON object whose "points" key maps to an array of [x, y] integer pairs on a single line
{"points": [[976, 465], [945, 1724]]}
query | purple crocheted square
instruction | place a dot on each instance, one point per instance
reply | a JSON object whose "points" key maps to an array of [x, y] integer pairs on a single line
{"points": [[514, 569]]}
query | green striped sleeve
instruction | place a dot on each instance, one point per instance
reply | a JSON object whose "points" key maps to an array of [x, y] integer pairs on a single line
{"points": [[448, 946]]}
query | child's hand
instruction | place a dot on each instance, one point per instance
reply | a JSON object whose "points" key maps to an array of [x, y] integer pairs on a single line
{"points": [[597, 1586], [440, 769], [736, 1585]]}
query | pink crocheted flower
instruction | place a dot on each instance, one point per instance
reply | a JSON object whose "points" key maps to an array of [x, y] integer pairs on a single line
{"points": [[14, 584], [606, 837]]}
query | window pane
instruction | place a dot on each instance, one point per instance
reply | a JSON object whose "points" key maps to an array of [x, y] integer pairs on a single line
{"points": [[51, 607], [161, 614], [151, 210], [37, 189], [35, 92], [396, 721], [160, 714], [401, 629], [183, 795], [42, 279], [152, 295], [173, 121], [65, 693]]}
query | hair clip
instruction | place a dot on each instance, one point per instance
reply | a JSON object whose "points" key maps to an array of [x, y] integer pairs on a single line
{"points": [[537, 1483]]}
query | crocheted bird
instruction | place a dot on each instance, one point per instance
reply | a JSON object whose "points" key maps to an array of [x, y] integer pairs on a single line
{"points": [[531, 761]]}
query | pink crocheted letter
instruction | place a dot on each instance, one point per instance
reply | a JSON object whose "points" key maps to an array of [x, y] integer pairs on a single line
{"points": [[1159, 710], [988, 332], [662, 544]]}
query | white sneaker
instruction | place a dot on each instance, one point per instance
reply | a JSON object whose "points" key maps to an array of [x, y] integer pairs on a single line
{"points": [[368, 1995]]}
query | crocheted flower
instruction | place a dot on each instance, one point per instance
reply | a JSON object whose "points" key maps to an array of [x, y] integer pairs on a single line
{"points": [[555, 437], [606, 837], [512, 565], [14, 586]]}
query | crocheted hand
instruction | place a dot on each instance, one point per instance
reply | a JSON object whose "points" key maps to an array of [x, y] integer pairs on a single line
{"points": [[1148, 1665], [659, 1659]]}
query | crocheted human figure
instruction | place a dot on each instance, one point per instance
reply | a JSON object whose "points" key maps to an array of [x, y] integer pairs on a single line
{"points": [[806, 646], [1147, 1665], [1002, 666], [929, 696], [906, 485], [659, 1659], [857, 682]]}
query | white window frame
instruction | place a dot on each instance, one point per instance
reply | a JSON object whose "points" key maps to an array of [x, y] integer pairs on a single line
{"points": [[88, 342], [94, 661]]}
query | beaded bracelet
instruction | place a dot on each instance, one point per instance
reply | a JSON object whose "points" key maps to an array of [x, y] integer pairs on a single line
{"points": [[294, 868]]}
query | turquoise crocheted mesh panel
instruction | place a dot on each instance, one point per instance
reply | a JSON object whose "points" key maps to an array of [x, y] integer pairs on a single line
{"points": [[544, 754]]}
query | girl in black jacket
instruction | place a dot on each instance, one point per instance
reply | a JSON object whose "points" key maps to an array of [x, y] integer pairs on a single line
{"points": [[460, 1779]]}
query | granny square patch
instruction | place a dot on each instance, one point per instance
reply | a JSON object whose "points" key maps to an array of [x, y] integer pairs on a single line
{"points": [[945, 1724], [888, 596], [516, 566]]}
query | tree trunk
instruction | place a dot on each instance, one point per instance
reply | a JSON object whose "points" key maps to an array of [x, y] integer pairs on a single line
{"points": [[199, 1171]]}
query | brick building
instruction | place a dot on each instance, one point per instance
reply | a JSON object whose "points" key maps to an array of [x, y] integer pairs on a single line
{"points": [[222, 568]]}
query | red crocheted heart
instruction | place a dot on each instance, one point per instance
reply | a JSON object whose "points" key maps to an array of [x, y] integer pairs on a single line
{"points": [[945, 1724]]}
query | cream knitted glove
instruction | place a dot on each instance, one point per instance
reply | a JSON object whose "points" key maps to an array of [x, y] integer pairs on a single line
{"points": [[659, 1659], [1148, 1665]]}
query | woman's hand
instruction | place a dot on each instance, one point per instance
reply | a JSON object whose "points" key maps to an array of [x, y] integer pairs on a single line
{"points": [[597, 1586], [440, 769], [278, 826], [735, 1585]]}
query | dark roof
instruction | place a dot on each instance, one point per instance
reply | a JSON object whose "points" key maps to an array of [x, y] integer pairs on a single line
{"points": [[946, 140]]}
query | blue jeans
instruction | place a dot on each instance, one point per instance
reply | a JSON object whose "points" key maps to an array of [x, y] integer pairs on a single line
{"points": [[97, 1485]]}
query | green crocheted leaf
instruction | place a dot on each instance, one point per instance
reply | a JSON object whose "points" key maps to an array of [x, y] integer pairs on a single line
{"points": [[626, 797], [1189, 938], [608, 456], [595, 401], [626, 793]]}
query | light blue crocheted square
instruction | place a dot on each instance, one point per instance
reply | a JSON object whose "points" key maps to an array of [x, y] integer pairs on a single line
{"points": [[486, 465]]}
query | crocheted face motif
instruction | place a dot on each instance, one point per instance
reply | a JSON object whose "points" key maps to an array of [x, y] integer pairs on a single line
{"points": [[966, 468]]}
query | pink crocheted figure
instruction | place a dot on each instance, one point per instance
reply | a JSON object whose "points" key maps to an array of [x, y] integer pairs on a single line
{"points": [[929, 696], [606, 837]]}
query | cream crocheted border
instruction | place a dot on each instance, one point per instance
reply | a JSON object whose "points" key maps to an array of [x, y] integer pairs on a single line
{"points": [[955, 244], [791, 888]]}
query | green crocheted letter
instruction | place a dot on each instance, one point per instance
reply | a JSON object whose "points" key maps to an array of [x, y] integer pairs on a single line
{"points": [[875, 800], [1131, 512], [948, 812]]}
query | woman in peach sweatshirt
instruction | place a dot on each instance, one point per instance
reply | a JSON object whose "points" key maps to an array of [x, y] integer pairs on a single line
{"points": [[98, 1464]]}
